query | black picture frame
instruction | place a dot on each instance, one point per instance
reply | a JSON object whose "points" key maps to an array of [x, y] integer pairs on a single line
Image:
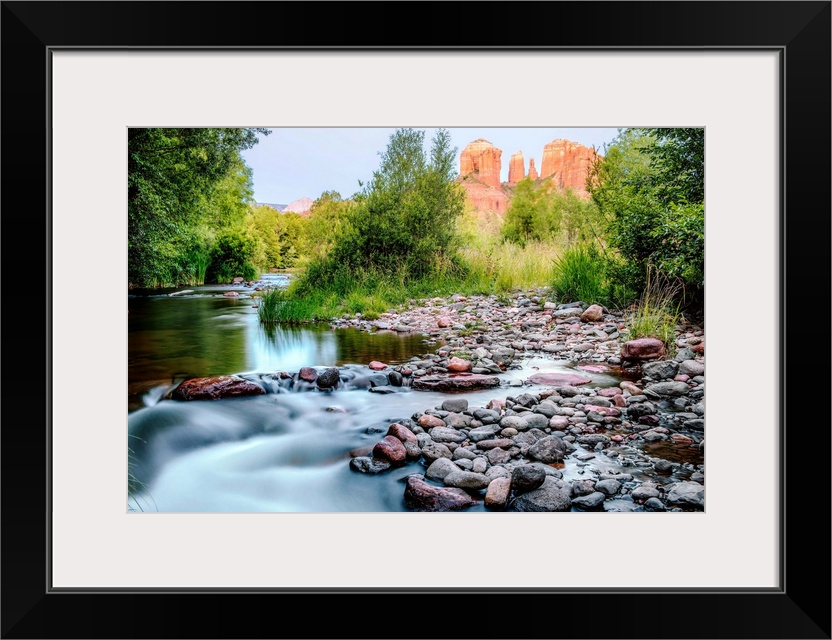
{"points": [[800, 31]]}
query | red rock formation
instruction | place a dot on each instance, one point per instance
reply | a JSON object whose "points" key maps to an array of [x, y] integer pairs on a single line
{"points": [[516, 168], [301, 206], [532, 170], [484, 197], [481, 158], [567, 164]]}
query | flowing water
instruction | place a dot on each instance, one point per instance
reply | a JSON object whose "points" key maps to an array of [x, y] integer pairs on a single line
{"points": [[280, 452]]}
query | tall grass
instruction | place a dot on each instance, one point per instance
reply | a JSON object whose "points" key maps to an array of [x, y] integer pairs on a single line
{"points": [[580, 274], [138, 497], [658, 310]]}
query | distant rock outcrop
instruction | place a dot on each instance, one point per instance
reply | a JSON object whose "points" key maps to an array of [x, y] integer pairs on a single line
{"points": [[482, 159], [485, 198], [299, 206], [567, 164], [516, 168], [532, 170]]}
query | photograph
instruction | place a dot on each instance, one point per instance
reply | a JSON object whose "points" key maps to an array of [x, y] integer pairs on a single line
{"points": [[410, 319]]}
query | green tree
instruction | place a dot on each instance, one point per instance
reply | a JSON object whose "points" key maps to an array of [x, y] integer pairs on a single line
{"points": [[404, 221], [650, 187], [172, 174]]}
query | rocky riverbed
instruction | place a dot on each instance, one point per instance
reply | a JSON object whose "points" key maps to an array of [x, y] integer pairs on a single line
{"points": [[547, 442]]}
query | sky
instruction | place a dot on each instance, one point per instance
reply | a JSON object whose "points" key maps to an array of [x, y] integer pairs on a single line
{"points": [[295, 163]]}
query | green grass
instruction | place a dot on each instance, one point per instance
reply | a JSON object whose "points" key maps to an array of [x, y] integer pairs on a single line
{"points": [[580, 274], [138, 497], [657, 311], [268, 309]]}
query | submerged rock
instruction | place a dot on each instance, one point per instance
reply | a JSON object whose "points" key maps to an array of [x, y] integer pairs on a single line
{"points": [[459, 382]]}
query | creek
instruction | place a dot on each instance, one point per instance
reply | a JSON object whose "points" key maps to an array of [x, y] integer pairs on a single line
{"points": [[286, 451]]}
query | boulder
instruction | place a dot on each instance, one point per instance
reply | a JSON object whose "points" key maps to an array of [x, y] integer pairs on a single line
{"points": [[216, 388], [421, 496]]}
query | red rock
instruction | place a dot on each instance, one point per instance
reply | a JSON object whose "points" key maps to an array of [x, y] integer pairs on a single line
{"points": [[458, 364], [497, 404], [427, 421], [231, 294], [567, 164], [619, 401], [680, 439], [455, 382], [649, 420], [634, 390], [483, 197], [516, 168], [604, 411], [421, 496], [532, 170], [375, 365], [482, 159], [309, 374], [699, 348], [402, 433], [682, 377], [593, 313], [558, 379], [617, 438], [215, 388], [390, 448], [609, 392], [444, 322], [594, 368], [558, 422], [642, 349]]}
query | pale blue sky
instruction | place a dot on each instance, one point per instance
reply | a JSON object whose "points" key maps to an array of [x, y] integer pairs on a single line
{"points": [[294, 163]]}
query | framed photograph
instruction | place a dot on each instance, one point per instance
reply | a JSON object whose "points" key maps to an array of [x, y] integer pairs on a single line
{"points": [[90, 87]]}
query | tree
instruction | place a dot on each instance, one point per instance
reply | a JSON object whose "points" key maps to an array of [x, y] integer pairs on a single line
{"points": [[650, 187], [404, 221], [172, 175]]}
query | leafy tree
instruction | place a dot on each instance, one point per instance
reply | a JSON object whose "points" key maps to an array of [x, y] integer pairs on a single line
{"points": [[232, 256], [404, 221], [650, 187], [172, 174]]}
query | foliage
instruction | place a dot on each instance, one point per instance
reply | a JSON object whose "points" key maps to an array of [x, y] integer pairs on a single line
{"points": [[580, 275], [544, 212], [268, 309], [278, 236], [650, 188], [232, 256], [173, 177], [328, 219], [404, 221]]}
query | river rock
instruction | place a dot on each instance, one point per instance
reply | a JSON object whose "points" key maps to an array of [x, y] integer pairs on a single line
{"points": [[383, 389], [484, 432], [396, 378], [308, 374], [498, 456], [446, 434], [440, 468], [559, 422], [493, 444], [421, 496], [458, 365], [427, 421], [644, 492], [593, 502], [402, 433], [391, 448], [514, 422], [593, 313], [548, 409], [653, 504], [467, 480], [552, 495], [666, 389], [642, 349], [231, 294], [687, 494], [458, 382], [527, 477], [455, 405], [574, 312], [216, 388], [661, 370], [497, 494], [549, 449], [608, 487], [375, 365], [414, 451], [365, 464], [583, 487], [328, 379], [692, 368], [535, 420], [434, 450], [558, 379]]}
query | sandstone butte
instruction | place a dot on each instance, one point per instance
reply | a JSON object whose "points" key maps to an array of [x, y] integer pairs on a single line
{"points": [[565, 164], [516, 168]]}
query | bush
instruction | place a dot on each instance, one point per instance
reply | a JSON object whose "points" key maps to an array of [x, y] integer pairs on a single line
{"points": [[231, 257], [580, 274]]}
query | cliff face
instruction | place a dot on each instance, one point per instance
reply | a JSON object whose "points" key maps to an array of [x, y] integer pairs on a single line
{"points": [[516, 168], [484, 197], [481, 160], [532, 170], [567, 163]]}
